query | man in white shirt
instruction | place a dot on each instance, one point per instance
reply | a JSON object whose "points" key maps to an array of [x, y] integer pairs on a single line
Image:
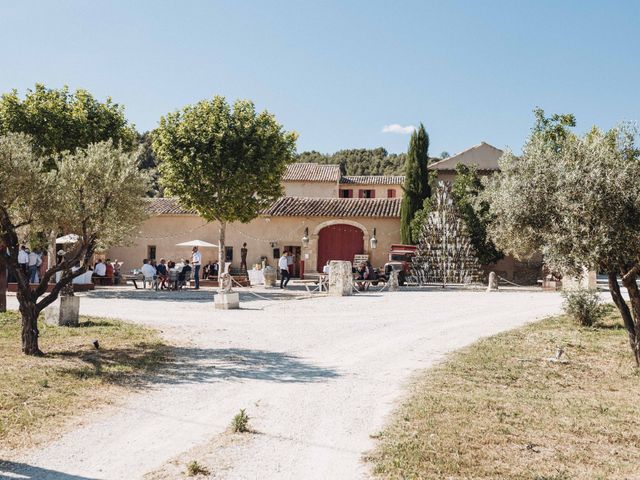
{"points": [[100, 270], [147, 269], [283, 265], [23, 259], [196, 261], [34, 262]]}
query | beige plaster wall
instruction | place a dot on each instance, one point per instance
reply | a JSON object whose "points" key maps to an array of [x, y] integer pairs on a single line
{"points": [[311, 189], [261, 235]]}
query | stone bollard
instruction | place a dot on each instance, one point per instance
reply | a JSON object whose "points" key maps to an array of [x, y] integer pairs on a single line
{"points": [[226, 300], [66, 314], [269, 276], [393, 281], [493, 282], [340, 278]]}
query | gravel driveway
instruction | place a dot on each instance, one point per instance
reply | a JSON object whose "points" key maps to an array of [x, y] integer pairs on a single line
{"points": [[318, 376]]}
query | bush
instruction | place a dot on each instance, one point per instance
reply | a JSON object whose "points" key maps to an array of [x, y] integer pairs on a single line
{"points": [[194, 469], [240, 423], [583, 305]]}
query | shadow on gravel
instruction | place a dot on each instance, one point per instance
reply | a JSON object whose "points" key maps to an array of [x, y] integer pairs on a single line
{"points": [[197, 365], [196, 296], [162, 364], [13, 470]]}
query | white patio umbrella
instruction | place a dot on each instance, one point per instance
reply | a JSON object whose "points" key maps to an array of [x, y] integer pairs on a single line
{"points": [[70, 238], [196, 243]]}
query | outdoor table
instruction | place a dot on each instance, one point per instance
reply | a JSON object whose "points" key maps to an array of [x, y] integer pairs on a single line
{"points": [[133, 278], [256, 277]]}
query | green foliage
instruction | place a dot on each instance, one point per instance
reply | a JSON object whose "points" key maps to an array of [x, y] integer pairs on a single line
{"points": [[59, 120], [98, 191], [583, 305], [359, 161], [466, 190], [224, 163], [553, 129], [149, 163], [416, 184], [579, 203], [240, 422], [195, 469]]}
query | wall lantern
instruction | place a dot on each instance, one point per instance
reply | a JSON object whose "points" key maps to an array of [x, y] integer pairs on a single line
{"points": [[305, 238], [374, 241]]}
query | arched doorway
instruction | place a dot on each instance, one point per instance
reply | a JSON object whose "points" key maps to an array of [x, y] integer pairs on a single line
{"points": [[339, 242]]}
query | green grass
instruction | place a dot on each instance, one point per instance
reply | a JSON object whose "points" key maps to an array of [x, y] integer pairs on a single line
{"points": [[500, 409], [37, 395]]}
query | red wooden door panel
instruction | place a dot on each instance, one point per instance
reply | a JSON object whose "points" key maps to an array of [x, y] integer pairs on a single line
{"points": [[339, 242]]}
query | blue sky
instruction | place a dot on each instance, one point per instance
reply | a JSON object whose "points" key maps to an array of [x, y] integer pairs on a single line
{"points": [[337, 72]]}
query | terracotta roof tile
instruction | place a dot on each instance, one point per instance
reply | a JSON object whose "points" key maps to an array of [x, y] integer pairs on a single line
{"points": [[335, 207], [312, 172], [302, 207], [166, 206], [373, 179]]}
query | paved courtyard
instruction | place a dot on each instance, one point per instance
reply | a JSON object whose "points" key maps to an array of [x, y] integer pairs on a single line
{"points": [[318, 376]]}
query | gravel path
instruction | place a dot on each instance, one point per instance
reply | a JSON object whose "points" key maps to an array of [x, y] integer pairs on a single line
{"points": [[317, 375]]}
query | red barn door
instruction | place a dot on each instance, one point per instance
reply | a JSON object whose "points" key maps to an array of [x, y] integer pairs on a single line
{"points": [[339, 242]]}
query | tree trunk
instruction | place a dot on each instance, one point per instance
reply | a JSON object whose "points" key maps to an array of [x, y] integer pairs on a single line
{"points": [[634, 328], [3, 280], [30, 333], [221, 253]]}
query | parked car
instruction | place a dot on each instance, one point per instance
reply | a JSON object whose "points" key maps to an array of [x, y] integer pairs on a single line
{"points": [[400, 260]]}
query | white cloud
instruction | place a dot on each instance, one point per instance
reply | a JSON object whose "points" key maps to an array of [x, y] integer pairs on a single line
{"points": [[395, 128]]}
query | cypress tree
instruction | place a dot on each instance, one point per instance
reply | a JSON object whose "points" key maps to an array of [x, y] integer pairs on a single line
{"points": [[416, 183]]}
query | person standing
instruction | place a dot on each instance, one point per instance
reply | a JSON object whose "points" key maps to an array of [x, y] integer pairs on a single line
{"points": [[243, 257], [196, 261], [34, 262], [23, 260], [283, 265]]}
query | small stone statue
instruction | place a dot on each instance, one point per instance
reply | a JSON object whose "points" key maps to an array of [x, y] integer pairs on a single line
{"points": [[225, 282]]}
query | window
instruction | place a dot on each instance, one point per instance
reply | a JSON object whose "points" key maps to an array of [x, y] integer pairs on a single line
{"points": [[151, 252], [346, 193], [366, 194], [391, 193], [228, 254], [276, 253]]}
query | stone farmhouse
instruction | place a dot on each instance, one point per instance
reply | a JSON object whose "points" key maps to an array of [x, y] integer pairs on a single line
{"points": [[338, 214]]}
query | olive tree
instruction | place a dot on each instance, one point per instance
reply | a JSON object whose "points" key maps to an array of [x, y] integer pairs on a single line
{"points": [[225, 163], [576, 199], [95, 193]]}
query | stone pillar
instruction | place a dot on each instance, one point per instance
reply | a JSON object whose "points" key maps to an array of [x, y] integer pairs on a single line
{"points": [[393, 281], [269, 276], [340, 278], [67, 314], [226, 300], [493, 282]]}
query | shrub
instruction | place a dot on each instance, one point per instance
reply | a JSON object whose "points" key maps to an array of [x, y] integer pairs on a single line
{"points": [[194, 468], [583, 305], [240, 423]]}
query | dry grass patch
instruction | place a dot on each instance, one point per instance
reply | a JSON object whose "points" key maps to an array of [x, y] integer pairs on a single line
{"points": [[500, 409], [37, 395]]}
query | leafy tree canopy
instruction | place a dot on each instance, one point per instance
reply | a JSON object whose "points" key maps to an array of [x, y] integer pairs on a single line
{"points": [[225, 163], [58, 120]]}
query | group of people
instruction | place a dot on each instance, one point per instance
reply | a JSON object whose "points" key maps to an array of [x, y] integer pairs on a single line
{"points": [[186, 268], [29, 261], [106, 271]]}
